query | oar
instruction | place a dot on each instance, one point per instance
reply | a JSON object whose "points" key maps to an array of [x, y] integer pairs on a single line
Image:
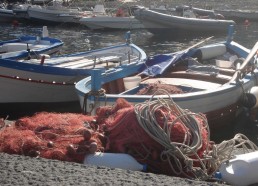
{"points": [[195, 45], [247, 60]]}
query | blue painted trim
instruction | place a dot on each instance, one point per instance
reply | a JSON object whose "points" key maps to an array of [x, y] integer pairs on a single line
{"points": [[55, 43]]}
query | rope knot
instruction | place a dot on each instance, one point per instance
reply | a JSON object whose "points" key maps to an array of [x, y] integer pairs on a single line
{"points": [[188, 164], [100, 92]]}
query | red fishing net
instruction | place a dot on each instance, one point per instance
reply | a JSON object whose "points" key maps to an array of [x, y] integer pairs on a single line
{"points": [[153, 88], [66, 137], [69, 137], [125, 135]]}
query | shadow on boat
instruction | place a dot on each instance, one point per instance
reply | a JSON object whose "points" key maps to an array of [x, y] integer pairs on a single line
{"points": [[17, 110]]}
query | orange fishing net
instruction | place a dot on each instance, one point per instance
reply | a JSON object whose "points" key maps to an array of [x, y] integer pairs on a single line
{"points": [[153, 88], [66, 137], [125, 135], [69, 137]]}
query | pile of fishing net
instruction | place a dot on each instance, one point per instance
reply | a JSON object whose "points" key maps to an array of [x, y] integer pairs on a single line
{"points": [[170, 140], [153, 88], [65, 137], [158, 133]]}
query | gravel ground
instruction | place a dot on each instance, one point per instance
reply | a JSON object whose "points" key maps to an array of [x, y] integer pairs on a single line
{"points": [[21, 170]]}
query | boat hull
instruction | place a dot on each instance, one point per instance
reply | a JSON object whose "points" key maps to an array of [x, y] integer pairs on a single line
{"points": [[216, 104], [156, 22], [18, 48], [51, 16], [239, 15], [210, 93], [52, 83], [111, 22]]}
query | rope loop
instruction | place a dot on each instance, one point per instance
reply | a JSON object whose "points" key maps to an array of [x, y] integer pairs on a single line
{"points": [[183, 157], [96, 94]]}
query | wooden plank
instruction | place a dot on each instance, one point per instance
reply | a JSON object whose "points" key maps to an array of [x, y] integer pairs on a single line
{"points": [[89, 62]]}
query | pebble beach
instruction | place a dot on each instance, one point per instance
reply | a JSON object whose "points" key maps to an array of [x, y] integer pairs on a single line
{"points": [[24, 170]]}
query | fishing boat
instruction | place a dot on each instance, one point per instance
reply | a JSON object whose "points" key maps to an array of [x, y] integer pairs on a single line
{"points": [[29, 46], [202, 80], [20, 11], [239, 15], [109, 22], [53, 13], [181, 24], [6, 15], [182, 9], [57, 13], [121, 19], [50, 82]]}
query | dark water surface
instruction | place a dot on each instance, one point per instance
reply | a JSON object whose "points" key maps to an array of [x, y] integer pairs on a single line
{"points": [[79, 38]]}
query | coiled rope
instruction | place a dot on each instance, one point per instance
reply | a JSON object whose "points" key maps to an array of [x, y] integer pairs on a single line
{"points": [[182, 153]]}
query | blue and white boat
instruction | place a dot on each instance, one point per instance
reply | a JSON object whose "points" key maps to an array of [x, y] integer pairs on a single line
{"points": [[216, 90], [30, 46], [52, 81]]}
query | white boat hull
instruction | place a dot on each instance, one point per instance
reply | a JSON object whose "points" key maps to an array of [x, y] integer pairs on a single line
{"points": [[52, 15], [239, 14], [108, 22], [157, 22], [29, 45], [54, 81], [25, 91], [202, 101]]}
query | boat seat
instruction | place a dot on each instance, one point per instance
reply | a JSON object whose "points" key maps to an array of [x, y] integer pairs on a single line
{"points": [[12, 47], [65, 61], [35, 42], [191, 83]]}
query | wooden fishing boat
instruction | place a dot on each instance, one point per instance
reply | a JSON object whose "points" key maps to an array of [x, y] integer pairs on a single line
{"points": [[184, 24], [197, 85], [29, 46], [50, 82]]}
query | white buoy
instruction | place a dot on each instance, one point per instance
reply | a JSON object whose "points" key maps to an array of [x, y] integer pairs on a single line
{"points": [[45, 31], [114, 160], [211, 51], [241, 170]]}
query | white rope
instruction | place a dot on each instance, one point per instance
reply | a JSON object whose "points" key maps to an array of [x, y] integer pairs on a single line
{"points": [[181, 153]]}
